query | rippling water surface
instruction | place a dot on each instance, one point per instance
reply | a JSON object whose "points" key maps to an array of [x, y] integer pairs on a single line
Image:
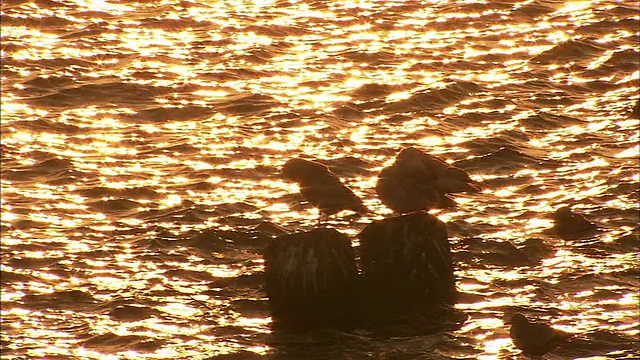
{"points": [[142, 142]]}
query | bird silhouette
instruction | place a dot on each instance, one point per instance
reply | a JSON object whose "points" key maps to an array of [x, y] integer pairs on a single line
{"points": [[418, 181], [571, 226], [321, 187], [534, 339]]}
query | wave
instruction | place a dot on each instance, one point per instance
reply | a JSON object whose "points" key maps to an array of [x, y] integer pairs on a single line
{"points": [[571, 50]]}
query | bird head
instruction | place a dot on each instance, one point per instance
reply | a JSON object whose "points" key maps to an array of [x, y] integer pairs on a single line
{"points": [[563, 213], [409, 161], [517, 319], [300, 170]]}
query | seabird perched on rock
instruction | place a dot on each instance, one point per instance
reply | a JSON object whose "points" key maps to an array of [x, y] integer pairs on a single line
{"points": [[321, 187], [534, 339], [571, 226], [418, 181]]}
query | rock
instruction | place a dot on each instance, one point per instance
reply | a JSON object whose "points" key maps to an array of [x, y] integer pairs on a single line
{"points": [[406, 264], [312, 279]]}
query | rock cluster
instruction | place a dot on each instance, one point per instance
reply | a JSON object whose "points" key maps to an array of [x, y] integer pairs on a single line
{"points": [[406, 268]]}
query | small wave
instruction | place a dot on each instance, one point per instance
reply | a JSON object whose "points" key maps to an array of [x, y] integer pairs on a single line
{"points": [[544, 121], [228, 285], [437, 98], [10, 277], [628, 59], [45, 23], [237, 355], [182, 113], [599, 342], [245, 104], [260, 172], [133, 192], [48, 125], [505, 159], [505, 139], [368, 91], [163, 241], [569, 50], [93, 30], [44, 169], [534, 9], [40, 83], [65, 299], [187, 212], [234, 208], [502, 253], [348, 113], [348, 166], [182, 24], [110, 342], [207, 241], [118, 205], [189, 275], [599, 28], [377, 58], [132, 313], [106, 91]]}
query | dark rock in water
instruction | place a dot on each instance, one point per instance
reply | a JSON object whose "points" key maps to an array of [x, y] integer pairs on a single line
{"points": [[571, 226], [406, 264], [312, 279], [635, 112], [407, 279]]}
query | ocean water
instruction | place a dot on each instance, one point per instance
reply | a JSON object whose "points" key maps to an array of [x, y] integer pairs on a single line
{"points": [[142, 143]]}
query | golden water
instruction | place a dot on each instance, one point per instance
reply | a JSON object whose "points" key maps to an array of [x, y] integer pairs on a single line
{"points": [[129, 127]]}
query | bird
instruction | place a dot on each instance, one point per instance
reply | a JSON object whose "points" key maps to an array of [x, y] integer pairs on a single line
{"points": [[534, 339], [419, 181], [402, 194], [321, 187], [571, 226]]}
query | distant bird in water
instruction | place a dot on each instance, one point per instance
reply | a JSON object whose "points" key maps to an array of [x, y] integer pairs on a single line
{"points": [[635, 112], [571, 226], [418, 181], [534, 339], [322, 188]]}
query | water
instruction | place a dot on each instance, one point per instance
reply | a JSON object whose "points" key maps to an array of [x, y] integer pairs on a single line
{"points": [[141, 145]]}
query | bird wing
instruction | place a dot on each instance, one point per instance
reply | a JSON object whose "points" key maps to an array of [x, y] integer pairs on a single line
{"points": [[404, 194], [330, 195]]}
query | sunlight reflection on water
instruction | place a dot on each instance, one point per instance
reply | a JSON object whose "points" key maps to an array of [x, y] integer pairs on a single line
{"points": [[130, 129]]}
